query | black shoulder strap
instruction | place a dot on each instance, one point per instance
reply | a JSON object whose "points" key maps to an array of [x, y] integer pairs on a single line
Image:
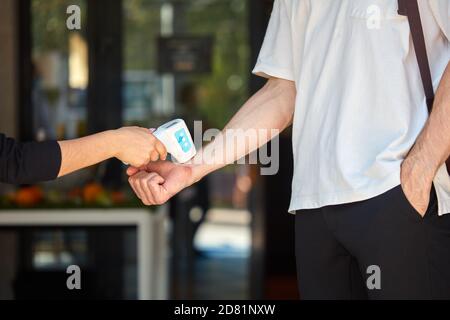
{"points": [[410, 8]]}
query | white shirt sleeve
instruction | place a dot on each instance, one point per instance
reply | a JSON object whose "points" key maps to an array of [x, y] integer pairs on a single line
{"points": [[441, 9], [275, 58]]}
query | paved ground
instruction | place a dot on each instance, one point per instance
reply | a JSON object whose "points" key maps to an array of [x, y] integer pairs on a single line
{"points": [[221, 269]]}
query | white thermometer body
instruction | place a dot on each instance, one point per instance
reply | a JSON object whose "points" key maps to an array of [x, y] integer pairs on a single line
{"points": [[178, 141]]}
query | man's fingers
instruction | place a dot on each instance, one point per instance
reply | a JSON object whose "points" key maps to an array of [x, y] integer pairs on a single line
{"points": [[154, 190], [137, 187], [155, 184], [131, 171], [131, 181], [147, 187], [147, 193], [156, 180]]}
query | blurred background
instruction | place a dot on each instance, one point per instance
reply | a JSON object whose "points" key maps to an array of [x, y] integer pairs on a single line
{"points": [[138, 62]]}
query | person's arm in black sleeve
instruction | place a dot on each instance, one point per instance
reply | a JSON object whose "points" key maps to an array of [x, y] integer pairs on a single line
{"points": [[24, 163], [30, 162]]}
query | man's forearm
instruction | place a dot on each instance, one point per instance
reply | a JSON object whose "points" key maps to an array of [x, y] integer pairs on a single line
{"points": [[432, 147], [270, 108]]}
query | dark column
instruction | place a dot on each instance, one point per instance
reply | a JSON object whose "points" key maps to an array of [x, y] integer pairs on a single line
{"points": [[272, 273], [259, 14], [24, 67], [104, 28]]}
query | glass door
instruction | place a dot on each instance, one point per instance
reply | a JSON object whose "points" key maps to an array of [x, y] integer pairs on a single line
{"points": [[59, 70], [211, 222]]}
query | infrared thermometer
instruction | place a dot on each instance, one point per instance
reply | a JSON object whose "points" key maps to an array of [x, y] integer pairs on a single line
{"points": [[178, 141]]}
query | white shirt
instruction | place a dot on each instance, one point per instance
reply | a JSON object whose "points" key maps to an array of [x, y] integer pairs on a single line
{"points": [[360, 102]]}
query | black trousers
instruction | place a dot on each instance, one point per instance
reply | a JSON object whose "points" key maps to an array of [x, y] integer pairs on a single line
{"points": [[375, 249]]}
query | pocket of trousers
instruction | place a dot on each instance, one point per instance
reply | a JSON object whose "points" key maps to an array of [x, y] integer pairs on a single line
{"points": [[411, 207]]}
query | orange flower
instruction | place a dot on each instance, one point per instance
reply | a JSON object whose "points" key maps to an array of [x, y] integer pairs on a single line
{"points": [[29, 196], [91, 192]]}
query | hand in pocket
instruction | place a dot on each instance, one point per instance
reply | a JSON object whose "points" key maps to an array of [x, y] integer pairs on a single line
{"points": [[416, 186]]}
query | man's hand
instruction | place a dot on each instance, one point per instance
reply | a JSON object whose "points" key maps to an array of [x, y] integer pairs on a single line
{"points": [[430, 151], [137, 146], [417, 179], [157, 182]]}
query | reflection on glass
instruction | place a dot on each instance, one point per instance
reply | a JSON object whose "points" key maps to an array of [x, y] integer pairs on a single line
{"points": [[35, 262], [60, 73], [78, 62], [56, 249], [143, 86], [151, 99], [150, 96]]}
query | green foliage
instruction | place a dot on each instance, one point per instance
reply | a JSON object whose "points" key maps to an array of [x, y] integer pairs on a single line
{"points": [[221, 92], [141, 27], [226, 88]]}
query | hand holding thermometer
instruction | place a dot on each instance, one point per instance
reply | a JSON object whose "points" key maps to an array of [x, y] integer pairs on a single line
{"points": [[178, 141]]}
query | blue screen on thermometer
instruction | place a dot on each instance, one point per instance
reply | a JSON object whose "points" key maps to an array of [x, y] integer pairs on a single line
{"points": [[183, 140]]}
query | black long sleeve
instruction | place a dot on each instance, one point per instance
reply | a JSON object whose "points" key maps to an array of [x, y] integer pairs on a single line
{"points": [[23, 163]]}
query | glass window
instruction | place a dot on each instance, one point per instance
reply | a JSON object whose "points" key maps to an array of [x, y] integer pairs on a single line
{"points": [[223, 91], [60, 70], [36, 261], [213, 97], [142, 84], [216, 206]]}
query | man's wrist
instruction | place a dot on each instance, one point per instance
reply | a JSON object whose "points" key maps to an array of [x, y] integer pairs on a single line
{"points": [[200, 168], [198, 172], [421, 166]]}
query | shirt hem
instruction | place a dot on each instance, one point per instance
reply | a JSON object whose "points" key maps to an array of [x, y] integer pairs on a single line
{"points": [[319, 201]]}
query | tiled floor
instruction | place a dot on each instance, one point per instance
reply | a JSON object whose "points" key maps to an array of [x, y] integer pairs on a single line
{"points": [[221, 279], [221, 269]]}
